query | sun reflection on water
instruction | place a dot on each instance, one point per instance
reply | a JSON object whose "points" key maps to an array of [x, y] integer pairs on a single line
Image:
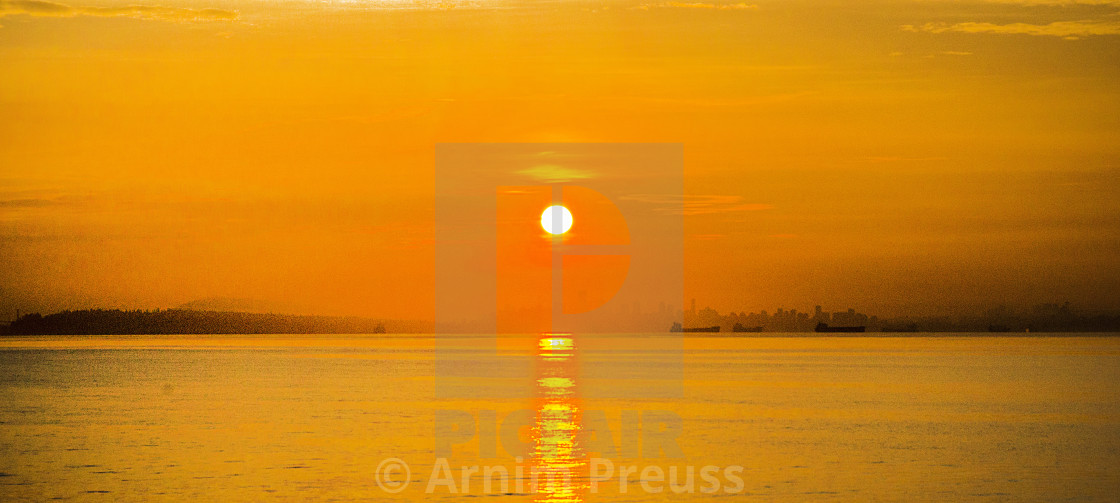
{"points": [[558, 461]]}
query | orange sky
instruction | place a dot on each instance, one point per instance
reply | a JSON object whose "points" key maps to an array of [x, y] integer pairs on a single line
{"points": [[892, 156]]}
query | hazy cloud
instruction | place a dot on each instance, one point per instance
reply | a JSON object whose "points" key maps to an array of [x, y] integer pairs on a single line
{"points": [[1070, 30], [551, 173], [51, 9]]}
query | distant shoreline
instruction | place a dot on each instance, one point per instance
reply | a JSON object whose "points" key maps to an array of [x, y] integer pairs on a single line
{"points": [[197, 322], [203, 322]]}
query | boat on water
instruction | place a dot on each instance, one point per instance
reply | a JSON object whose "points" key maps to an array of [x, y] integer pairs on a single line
{"points": [[703, 329], [740, 328], [824, 328], [678, 328]]}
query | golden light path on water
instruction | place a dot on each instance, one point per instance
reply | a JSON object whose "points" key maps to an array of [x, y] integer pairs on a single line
{"points": [[558, 461]]}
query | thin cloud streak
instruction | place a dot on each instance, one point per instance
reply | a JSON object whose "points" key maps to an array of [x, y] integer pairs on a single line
{"points": [[1069, 30], [698, 5], [39, 8], [697, 204]]}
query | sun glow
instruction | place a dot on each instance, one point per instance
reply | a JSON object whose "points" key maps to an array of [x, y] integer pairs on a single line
{"points": [[556, 219]]}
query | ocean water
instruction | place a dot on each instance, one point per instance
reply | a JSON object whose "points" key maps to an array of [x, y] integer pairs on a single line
{"points": [[297, 418]]}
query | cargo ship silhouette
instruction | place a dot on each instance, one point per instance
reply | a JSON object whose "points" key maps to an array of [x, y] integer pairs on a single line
{"points": [[677, 328], [823, 327], [740, 328]]}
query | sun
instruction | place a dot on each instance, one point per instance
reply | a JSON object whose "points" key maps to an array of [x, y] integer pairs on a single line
{"points": [[556, 219]]}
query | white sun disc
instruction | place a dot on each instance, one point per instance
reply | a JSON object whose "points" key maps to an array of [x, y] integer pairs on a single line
{"points": [[556, 219]]}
